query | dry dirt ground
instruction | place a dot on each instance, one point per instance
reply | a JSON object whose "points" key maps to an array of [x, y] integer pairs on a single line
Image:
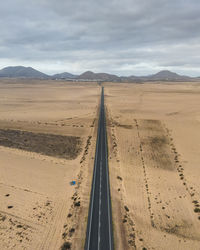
{"points": [[154, 160], [47, 140]]}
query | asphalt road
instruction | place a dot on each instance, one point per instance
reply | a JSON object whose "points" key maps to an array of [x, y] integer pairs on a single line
{"points": [[99, 229]]}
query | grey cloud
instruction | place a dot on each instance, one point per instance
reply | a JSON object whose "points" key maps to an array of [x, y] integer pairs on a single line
{"points": [[124, 36]]}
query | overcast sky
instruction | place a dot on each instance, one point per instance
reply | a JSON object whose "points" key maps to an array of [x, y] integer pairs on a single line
{"points": [[124, 37]]}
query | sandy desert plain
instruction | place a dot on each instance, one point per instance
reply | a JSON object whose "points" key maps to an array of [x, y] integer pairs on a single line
{"points": [[49, 130], [154, 143], [47, 139]]}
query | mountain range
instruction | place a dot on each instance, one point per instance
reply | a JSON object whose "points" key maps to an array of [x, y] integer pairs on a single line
{"points": [[28, 72]]}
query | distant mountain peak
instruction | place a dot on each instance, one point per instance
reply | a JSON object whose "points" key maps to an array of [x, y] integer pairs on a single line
{"points": [[21, 71], [89, 75], [167, 75], [166, 71], [88, 72]]}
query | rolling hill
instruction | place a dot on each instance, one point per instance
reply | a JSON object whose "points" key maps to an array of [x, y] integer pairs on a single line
{"points": [[89, 75], [64, 75], [20, 71], [167, 75]]}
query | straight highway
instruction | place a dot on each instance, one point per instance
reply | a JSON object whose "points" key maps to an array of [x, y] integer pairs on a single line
{"points": [[99, 234]]}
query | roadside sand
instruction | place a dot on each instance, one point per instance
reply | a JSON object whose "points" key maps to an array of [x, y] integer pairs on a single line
{"points": [[39, 208], [154, 141]]}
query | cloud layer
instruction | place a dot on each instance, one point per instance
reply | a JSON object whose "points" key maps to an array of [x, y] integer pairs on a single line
{"points": [[125, 37]]}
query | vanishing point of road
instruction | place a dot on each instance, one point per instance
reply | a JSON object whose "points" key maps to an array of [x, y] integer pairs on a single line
{"points": [[99, 229]]}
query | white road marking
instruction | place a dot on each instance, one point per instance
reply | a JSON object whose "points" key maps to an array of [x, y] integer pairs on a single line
{"points": [[99, 230]]}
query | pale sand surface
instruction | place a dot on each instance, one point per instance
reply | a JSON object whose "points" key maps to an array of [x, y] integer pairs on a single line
{"points": [[154, 144], [39, 209], [154, 139]]}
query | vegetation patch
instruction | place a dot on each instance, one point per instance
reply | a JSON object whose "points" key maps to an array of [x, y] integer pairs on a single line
{"points": [[66, 245], [158, 141], [197, 210], [125, 126], [67, 147]]}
